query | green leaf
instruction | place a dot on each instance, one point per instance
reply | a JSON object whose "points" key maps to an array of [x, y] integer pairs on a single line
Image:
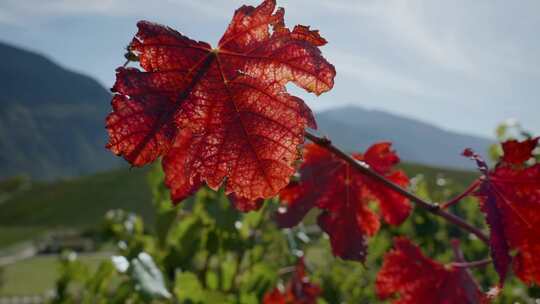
{"points": [[501, 131], [164, 222], [101, 278], [212, 280], [259, 279], [228, 270], [495, 152], [185, 241], [187, 288], [123, 293], [219, 210], [149, 279], [212, 242], [165, 210]]}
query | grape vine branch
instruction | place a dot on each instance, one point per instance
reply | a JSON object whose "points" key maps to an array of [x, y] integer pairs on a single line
{"points": [[433, 208], [222, 117]]}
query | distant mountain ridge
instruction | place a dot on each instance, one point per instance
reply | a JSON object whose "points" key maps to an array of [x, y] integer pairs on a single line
{"points": [[51, 119], [52, 124], [355, 128]]}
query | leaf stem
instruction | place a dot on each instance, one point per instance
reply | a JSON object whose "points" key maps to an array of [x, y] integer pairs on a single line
{"points": [[366, 170], [478, 263], [458, 198], [286, 270], [460, 258]]}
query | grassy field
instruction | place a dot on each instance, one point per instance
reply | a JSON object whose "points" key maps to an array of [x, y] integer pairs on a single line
{"points": [[38, 275], [10, 235]]}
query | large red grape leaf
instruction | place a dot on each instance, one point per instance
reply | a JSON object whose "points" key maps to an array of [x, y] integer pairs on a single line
{"points": [[243, 128], [510, 198], [299, 290], [178, 178], [412, 278], [329, 183]]}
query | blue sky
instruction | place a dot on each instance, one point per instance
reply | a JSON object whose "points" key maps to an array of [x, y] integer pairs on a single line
{"points": [[462, 65]]}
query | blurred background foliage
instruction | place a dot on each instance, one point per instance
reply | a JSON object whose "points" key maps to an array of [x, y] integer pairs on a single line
{"points": [[204, 251]]}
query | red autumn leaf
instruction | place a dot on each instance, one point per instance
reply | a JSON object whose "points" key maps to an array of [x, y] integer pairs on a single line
{"points": [[510, 198], [299, 290], [329, 183], [244, 204], [180, 182], [413, 278], [516, 152], [242, 128], [498, 245]]}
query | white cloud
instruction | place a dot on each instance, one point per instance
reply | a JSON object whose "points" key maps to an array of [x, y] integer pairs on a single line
{"points": [[16, 11], [404, 24], [404, 21], [379, 76]]}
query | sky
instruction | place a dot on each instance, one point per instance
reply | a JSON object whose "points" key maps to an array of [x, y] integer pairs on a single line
{"points": [[462, 65]]}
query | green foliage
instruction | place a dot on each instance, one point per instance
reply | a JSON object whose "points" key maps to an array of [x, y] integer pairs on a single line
{"points": [[37, 275], [12, 185], [2, 277], [204, 251], [13, 235]]}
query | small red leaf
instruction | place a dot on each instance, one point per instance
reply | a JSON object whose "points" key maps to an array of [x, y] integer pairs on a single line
{"points": [[299, 290], [329, 183], [517, 196], [510, 197], [274, 297], [381, 157], [497, 242], [301, 202], [245, 128], [415, 279], [244, 204], [348, 231], [516, 152]]}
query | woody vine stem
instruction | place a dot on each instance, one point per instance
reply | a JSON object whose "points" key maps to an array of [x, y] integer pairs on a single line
{"points": [[434, 208]]}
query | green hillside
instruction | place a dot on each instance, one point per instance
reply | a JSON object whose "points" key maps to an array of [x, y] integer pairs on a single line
{"points": [[76, 203], [52, 124], [51, 119], [355, 128], [79, 202]]}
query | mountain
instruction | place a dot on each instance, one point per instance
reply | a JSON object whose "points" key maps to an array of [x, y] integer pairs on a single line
{"points": [[52, 124], [355, 128], [51, 119]]}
